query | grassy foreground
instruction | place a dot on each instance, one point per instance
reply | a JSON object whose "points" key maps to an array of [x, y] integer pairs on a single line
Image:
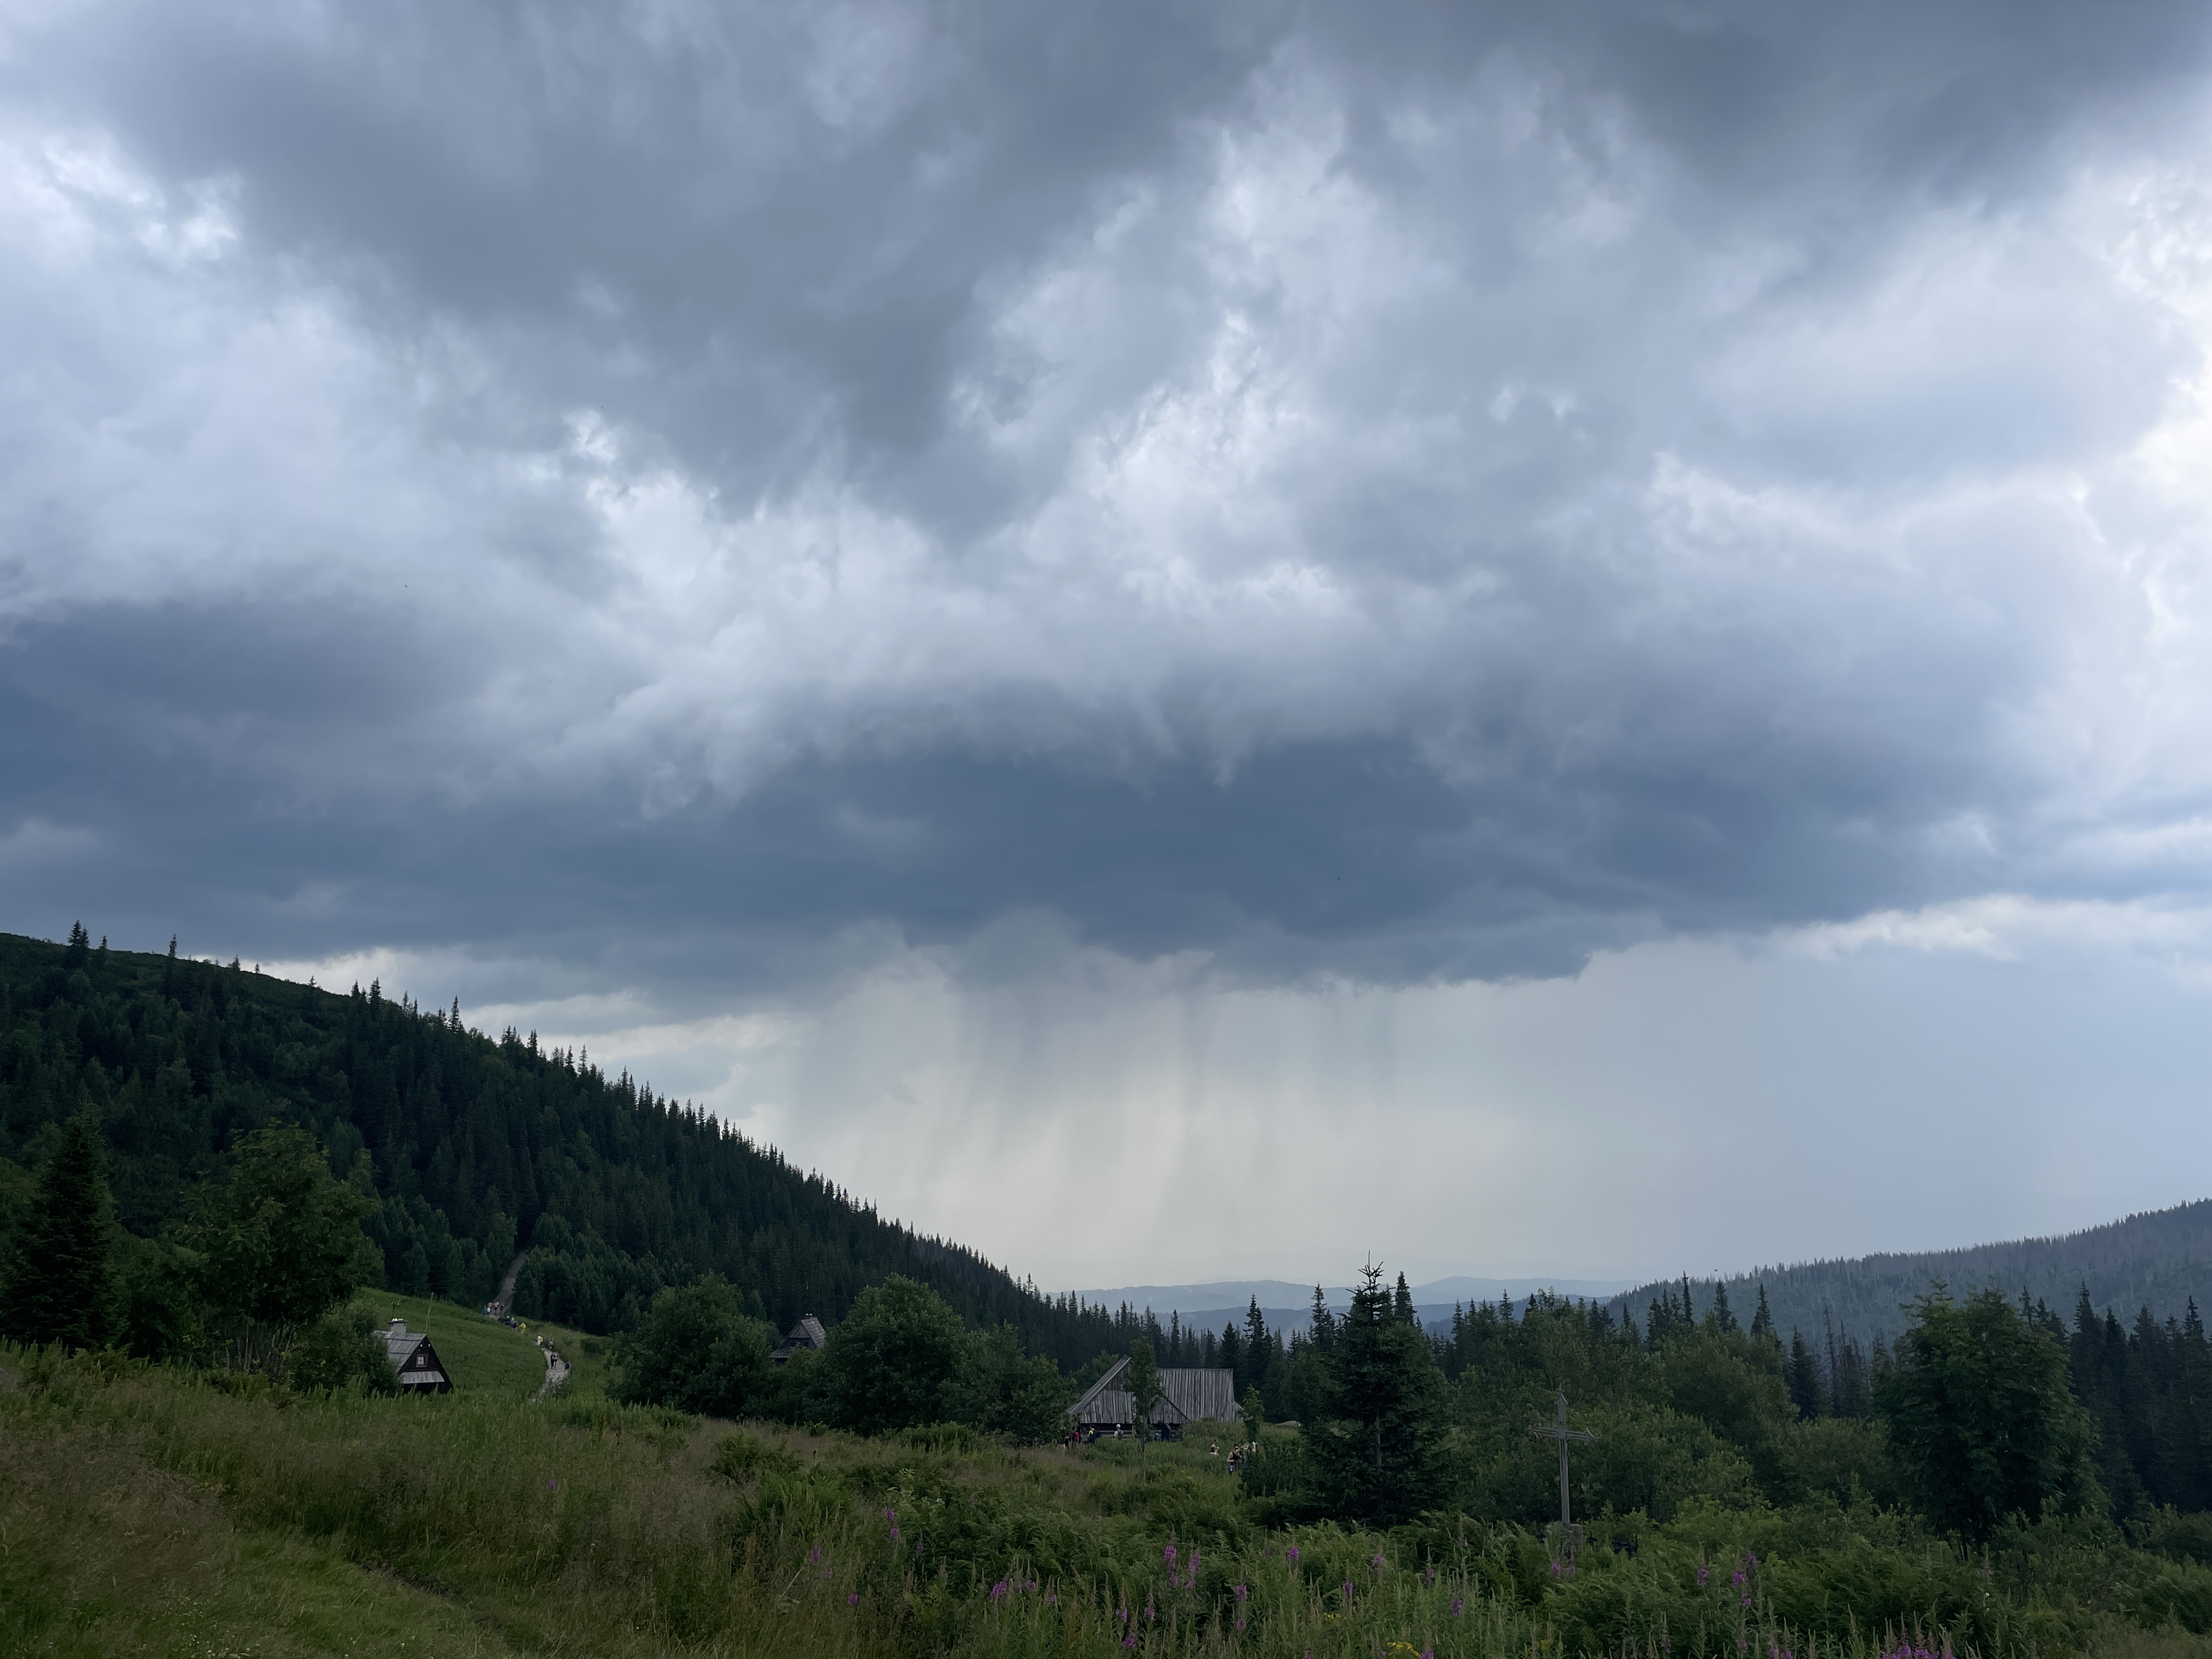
{"points": [[163, 1511]]}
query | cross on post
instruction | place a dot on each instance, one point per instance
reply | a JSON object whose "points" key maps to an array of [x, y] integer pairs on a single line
{"points": [[1559, 1430]]}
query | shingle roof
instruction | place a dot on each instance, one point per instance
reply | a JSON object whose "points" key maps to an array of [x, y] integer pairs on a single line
{"points": [[400, 1347], [807, 1334]]}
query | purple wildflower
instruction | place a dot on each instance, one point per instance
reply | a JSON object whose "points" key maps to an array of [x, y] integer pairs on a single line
{"points": [[1240, 1624], [1555, 1570], [894, 1535], [1150, 1613], [1242, 1592], [1458, 1606], [1170, 1554], [1292, 1553], [814, 1556], [549, 1483], [1704, 1573], [1428, 1575], [1052, 1598], [1375, 1565], [999, 1592], [853, 1600], [892, 1516]]}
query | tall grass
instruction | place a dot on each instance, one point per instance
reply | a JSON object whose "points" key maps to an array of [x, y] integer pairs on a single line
{"points": [[571, 1525]]}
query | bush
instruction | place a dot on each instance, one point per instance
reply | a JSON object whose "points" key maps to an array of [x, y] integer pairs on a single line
{"points": [[338, 1351], [889, 1363], [695, 1352]]}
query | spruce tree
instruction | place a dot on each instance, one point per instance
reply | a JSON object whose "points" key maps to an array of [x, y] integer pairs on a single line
{"points": [[1804, 1373], [1762, 1322], [59, 1290], [1376, 1454], [1721, 1317], [1324, 1323]]}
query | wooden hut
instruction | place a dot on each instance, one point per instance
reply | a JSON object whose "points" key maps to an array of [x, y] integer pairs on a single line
{"points": [[807, 1334], [421, 1371], [1186, 1396]]}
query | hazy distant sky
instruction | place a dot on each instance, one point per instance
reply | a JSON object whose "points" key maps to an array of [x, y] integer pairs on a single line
{"points": [[1181, 640]]}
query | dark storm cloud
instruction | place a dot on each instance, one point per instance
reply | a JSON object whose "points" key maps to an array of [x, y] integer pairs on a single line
{"points": [[1423, 492]]}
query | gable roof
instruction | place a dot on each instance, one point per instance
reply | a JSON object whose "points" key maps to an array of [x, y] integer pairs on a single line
{"points": [[413, 1357], [807, 1334], [1186, 1396]]}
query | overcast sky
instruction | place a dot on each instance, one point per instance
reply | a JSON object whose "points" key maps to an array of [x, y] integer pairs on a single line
{"points": [[1179, 641]]}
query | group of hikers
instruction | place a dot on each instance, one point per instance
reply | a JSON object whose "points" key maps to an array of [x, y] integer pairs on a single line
{"points": [[1078, 1436]]}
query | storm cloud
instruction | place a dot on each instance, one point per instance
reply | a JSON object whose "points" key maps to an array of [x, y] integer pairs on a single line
{"points": [[711, 501]]}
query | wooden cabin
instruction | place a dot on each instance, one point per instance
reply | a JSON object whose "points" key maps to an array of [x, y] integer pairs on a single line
{"points": [[807, 1334], [1186, 1396], [421, 1371]]}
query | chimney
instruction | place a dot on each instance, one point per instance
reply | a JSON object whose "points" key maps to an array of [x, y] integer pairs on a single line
{"points": [[398, 1327]]}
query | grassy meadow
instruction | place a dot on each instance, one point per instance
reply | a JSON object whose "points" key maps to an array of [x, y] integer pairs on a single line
{"points": [[484, 1357], [147, 1509]]}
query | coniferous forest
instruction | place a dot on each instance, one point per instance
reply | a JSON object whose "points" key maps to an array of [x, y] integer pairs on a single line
{"points": [[475, 1148]]}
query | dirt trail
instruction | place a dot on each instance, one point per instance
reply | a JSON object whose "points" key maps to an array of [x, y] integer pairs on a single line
{"points": [[557, 1371], [506, 1285]]}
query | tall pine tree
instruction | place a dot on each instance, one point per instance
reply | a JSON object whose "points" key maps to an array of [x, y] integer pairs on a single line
{"points": [[60, 1288]]}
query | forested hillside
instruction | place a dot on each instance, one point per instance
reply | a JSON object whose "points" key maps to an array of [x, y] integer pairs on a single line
{"points": [[2159, 1261], [475, 1147]]}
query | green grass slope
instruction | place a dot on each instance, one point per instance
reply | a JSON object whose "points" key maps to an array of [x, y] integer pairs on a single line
{"points": [[148, 1510]]}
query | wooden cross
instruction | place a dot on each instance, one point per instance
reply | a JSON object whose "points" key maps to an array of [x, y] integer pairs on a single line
{"points": [[1560, 1431]]}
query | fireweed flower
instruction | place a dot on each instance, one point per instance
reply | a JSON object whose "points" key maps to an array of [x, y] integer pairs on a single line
{"points": [[1375, 1565], [1429, 1576], [1170, 1554], [1150, 1613], [1240, 1624], [1704, 1573], [895, 1535], [814, 1556], [1458, 1606], [1291, 1553], [853, 1600], [1242, 1592]]}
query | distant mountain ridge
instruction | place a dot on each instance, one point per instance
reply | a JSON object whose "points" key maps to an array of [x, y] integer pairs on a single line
{"points": [[2157, 1259]]}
